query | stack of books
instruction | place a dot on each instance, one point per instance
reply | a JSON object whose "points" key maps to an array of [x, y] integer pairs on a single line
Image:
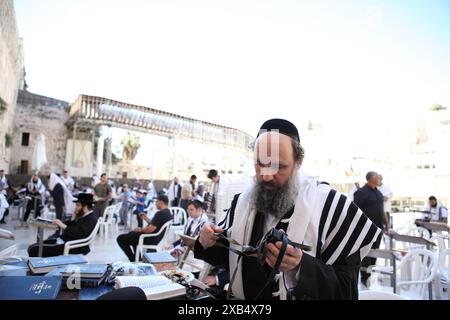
{"points": [[84, 275], [46, 265]]}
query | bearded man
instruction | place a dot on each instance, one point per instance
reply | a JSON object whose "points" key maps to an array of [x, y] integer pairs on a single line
{"points": [[310, 213], [80, 226]]}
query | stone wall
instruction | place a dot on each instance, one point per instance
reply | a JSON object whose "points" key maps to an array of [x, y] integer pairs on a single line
{"points": [[38, 114], [11, 68]]}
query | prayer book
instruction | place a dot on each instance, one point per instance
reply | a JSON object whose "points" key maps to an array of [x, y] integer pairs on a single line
{"points": [[161, 260], [29, 288], [155, 287], [45, 265]]}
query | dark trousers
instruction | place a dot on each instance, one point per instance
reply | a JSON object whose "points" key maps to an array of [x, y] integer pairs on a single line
{"points": [[30, 206], [99, 208], [140, 222], [50, 249], [368, 261], [129, 241]]}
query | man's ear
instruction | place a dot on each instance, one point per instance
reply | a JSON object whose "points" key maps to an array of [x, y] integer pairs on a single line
{"points": [[298, 164]]}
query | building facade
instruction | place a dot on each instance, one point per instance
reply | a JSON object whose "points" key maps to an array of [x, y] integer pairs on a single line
{"points": [[11, 70], [36, 114]]}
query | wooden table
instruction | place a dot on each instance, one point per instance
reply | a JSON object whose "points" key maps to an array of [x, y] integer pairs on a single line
{"points": [[433, 226], [40, 231]]}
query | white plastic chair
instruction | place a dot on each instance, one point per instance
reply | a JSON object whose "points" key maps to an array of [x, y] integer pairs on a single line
{"points": [[81, 242], [379, 295], [108, 222], [443, 274], [441, 241], [416, 271], [179, 216], [9, 251], [179, 222], [419, 232], [142, 247]]}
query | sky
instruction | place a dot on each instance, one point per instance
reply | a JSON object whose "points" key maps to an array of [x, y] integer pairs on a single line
{"points": [[353, 66]]}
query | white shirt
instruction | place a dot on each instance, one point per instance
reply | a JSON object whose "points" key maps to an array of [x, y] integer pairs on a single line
{"points": [[68, 182], [4, 185], [434, 216], [386, 192]]}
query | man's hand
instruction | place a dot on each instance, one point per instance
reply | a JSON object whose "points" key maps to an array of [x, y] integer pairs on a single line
{"points": [[291, 259], [176, 252], [207, 237], [137, 230], [211, 281], [59, 223]]}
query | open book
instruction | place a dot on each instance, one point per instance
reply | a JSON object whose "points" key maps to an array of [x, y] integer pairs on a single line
{"points": [[6, 234], [155, 287]]}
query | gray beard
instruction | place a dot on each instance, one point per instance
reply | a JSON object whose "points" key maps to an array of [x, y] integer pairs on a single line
{"points": [[278, 201]]}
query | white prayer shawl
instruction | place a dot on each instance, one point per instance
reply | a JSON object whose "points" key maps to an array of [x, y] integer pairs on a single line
{"points": [[4, 185], [40, 187], [303, 226], [172, 193], [68, 198]]}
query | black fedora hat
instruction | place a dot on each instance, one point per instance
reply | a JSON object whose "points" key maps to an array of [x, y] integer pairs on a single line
{"points": [[85, 198]]}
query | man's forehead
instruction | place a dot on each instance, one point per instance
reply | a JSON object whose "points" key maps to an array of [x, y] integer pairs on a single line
{"points": [[277, 142]]}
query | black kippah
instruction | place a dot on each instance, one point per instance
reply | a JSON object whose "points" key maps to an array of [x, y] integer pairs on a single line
{"points": [[283, 126]]}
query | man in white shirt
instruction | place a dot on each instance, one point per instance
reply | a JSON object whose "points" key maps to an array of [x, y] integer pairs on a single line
{"points": [[435, 211], [387, 195], [68, 181]]}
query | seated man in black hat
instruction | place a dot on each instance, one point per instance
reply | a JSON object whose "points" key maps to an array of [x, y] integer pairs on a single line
{"points": [[80, 226]]}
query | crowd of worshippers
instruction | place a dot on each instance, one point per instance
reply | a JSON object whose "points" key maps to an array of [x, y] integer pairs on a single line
{"points": [[88, 203], [55, 197], [319, 238]]}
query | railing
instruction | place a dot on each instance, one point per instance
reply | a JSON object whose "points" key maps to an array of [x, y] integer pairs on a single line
{"points": [[106, 111]]}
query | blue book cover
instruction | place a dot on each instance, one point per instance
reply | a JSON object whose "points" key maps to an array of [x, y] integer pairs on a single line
{"points": [[86, 270], [159, 257], [45, 265], [29, 288]]}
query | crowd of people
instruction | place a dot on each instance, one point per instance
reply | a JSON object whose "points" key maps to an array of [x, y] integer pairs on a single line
{"points": [[76, 209], [325, 236]]}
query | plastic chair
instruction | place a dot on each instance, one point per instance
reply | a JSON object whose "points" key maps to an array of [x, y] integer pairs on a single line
{"points": [[108, 222], [179, 216], [379, 295], [419, 232], [441, 240], [142, 247], [10, 251], [179, 222], [81, 242], [443, 274], [417, 270]]}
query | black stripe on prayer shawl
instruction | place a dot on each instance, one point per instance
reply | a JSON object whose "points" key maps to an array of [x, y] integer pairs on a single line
{"points": [[323, 219], [370, 234], [342, 231], [337, 213], [353, 237], [224, 224], [227, 221]]}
